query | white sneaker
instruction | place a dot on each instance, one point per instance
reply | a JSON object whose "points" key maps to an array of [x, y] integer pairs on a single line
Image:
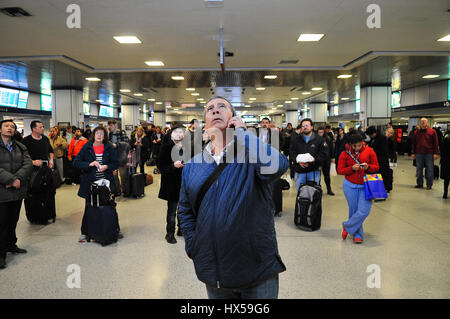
{"points": [[82, 239]]}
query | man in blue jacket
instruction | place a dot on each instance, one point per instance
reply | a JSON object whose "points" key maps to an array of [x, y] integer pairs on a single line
{"points": [[231, 238]]}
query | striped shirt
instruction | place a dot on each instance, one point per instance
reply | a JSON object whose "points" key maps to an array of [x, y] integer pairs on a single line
{"points": [[98, 150]]}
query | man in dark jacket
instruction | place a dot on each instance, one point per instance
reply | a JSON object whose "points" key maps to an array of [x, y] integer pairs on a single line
{"points": [[307, 167], [15, 171], [230, 234], [120, 142], [330, 158], [379, 143], [425, 149]]}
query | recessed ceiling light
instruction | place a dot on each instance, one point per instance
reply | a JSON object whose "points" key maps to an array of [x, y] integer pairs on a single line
{"points": [[195, 94], [446, 38], [190, 89], [252, 99], [177, 77], [294, 98], [93, 79], [100, 101], [127, 39], [138, 94], [431, 76], [316, 89], [154, 63], [260, 89], [6, 80], [159, 102], [246, 105], [274, 108], [344, 76], [310, 37], [280, 105], [176, 109], [270, 77], [306, 93], [151, 100], [345, 98], [200, 99], [125, 91], [288, 102]]}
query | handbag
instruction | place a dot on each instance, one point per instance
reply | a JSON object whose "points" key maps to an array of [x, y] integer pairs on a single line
{"points": [[373, 184]]}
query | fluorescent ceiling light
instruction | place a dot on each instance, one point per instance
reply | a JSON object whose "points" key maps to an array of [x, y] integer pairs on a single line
{"points": [[306, 93], [345, 98], [252, 99], [310, 37], [431, 76], [247, 105], [260, 89], [159, 102], [270, 77], [274, 108], [100, 101], [195, 94], [294, 98], [125, 91], [446, 38], [127, 39], [154, 63], [137, 94], [6, 80], [152, 100], [280, 105], [316, 89], [288, 102], [344, 76], [176, 109], [190, 89], [177, 78], [200, 99], [93, 79]]}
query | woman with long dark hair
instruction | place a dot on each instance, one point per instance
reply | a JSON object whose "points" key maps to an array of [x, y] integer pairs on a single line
{"points": [[341, 140]]}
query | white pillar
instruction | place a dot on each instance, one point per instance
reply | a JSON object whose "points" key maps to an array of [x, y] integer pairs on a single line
{"points": [[159, 118], [130, 117], [319, 112], [292, 117], [375, 105], [67, 107]]}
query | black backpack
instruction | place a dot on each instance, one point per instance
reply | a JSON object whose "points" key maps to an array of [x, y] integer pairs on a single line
{"points": [[41, 179], [101, 196]]}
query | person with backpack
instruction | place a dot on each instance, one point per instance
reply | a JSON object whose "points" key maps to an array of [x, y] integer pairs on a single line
{"points": [[15, 172], [226, 212], [357, 160], [97, 160]]}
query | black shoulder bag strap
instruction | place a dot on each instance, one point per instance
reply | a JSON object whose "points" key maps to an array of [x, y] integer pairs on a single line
{"points": [[207, 184]]}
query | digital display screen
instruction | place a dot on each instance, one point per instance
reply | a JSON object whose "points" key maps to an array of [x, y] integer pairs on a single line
{"points": [[46, 102], [106, 111], [9, 97], [86, 108], [23, 100], [396, 97]]}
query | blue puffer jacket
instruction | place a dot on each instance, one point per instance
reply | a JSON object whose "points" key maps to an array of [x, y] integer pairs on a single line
{"points": [[87, 156], [232, 241]]}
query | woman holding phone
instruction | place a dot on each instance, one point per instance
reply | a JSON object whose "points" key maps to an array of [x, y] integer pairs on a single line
{"points": [[356, 161]]}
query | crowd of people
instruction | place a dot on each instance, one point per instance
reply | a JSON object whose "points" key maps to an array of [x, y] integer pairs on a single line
{"points": [[232, 198]]}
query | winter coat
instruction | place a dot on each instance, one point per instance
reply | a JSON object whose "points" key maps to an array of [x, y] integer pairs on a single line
{"points": [[145, 152], [87, 156], [445, 157], [316, 146], [14, 165], [62, 146], [232, 240], [380, 145], [76, 146], [346, 162], [170, 175]]}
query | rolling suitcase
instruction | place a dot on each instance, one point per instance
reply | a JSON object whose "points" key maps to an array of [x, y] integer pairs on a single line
{"points": [[101, 216], [308, 207], [137, 184]]}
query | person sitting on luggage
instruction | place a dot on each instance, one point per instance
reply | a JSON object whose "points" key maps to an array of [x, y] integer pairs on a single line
{"points": [[15, 171], [171, 170], [309, 150], [97, 160], [230, 233], [141, 143], [354, 191]]}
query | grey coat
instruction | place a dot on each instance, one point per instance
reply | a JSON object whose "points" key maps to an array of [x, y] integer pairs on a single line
{"points": [[14, 165]]}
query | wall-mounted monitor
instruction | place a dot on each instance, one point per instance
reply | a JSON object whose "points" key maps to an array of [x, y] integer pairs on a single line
{"points": [[23, 100], [46, 102], [106, 111], [8, 97], [86, 108], [396, 99]]}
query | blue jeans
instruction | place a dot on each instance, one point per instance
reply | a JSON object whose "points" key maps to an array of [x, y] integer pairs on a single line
{"points": [[301, 178], [427, 161], [268, 289], [358, 208]]}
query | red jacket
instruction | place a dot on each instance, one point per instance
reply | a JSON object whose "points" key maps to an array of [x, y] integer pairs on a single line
{"points": [[75, 148], [425, 142], [345, 163]]}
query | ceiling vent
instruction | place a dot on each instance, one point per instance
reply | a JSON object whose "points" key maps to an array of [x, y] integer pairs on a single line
{"points": [[213, 3], [15, 12], [288, 62]]}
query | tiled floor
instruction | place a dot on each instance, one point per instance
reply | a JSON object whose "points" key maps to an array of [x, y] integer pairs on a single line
{"points": [[408, 236]]}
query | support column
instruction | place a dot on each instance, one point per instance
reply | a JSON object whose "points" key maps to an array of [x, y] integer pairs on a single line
{"points": [[375, 106], [292, 117], [67, 107], [319, 112], [159, 118], [130, 118]]}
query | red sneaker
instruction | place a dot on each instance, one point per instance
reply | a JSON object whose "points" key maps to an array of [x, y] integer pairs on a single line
{"points": [[357, 240], [344, 233]]}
